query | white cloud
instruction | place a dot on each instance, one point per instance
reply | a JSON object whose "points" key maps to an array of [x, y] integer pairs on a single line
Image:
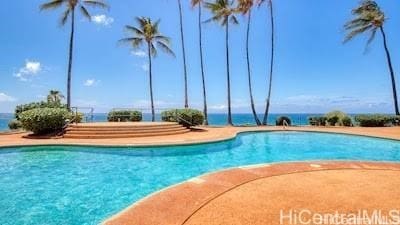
{"points": [[102, 20], [91, 82], [30, 69], [139, 53], [145, 67], [6, 98]]}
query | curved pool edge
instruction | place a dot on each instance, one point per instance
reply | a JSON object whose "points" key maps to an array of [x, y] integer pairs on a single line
{"points": [[185, 198], [230, 134]]}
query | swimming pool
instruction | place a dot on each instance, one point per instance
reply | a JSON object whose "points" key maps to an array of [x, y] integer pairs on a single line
{"points": [[85, 185]]}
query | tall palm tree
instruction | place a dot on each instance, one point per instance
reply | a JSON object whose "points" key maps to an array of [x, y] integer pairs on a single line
{"points": [[70, 8], [271, 63], [370, 18], [55, 97], [199, 4], [245, 7], [223, 11], [147, 34], [183, 54]]}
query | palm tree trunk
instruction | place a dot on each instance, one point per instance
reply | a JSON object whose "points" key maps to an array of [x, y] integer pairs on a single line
{"points": [[71, 49], [389, 60], [249, 71], [265, 120], [151, 84], [202, 69], [184, 54], [228, 77]]}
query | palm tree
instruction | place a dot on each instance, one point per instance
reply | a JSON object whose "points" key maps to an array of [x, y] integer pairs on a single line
{"points": [[55, 97], [183, 54], [71, 6], [148, 34], [223, 12], [199, 4], [271, 64], [245, 7], [370, 18]]}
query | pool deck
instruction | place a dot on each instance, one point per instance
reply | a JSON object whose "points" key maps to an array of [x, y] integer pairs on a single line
{"points": [[254, 195], [201, 135]]}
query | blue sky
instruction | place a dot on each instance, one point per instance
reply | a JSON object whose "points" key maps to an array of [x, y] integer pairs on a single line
{"points": [[314, 72]]}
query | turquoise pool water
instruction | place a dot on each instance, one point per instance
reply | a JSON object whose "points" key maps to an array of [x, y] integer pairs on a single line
{"points": [[85, 185]]}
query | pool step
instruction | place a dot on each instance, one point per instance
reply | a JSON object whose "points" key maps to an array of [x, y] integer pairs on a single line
{"points": [[122, 130]]}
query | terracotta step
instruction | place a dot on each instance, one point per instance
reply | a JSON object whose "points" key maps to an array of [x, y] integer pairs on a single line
{"points": [[124, 131], [127, 128], [112, 136], [122, 124]]}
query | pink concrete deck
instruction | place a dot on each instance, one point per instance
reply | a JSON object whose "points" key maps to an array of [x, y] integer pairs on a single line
{"points": [[203, 135], [255, 195]]}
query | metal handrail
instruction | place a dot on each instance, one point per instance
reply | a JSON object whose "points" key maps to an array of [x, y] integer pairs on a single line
{"points": [[74, 118]]}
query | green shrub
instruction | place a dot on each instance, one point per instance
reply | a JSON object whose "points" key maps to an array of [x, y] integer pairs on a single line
{"points": [[317, 120], [124, 116], [335, 118], [78, 118], [44, 120], [346, 121], [14, 124], [169, 115], [281, 119], [34, 105], [373, 120], [136, 116], [186, 117], [396, 120]]}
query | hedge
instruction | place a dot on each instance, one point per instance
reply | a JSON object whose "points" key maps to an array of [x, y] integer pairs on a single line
{"points": [[34, 105], [374, 120], [335, 118], [124, 116], [44, 120], [186, 117], [317, 120], [15, 124], [281, 119]]}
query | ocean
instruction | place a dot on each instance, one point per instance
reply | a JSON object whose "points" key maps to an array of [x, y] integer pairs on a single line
{"points": [[214, 119]]}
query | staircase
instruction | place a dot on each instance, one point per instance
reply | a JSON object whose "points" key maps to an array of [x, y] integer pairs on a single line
{"points": [[122, 130]]}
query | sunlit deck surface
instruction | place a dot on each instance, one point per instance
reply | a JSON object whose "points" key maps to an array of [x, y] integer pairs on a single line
{"points": [[200, 135], [256, 195]]}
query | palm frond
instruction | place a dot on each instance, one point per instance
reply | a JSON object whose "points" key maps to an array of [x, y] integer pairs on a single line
{"points": [[162, 38], [133, 29], [153, 50], [221, 10], [215, 18], [372, 37], [356, 32], [234, 20], [52, 5], [368, 17], [135, 42], [196, 2], [244, 6], [96, 3], [65, 16], [165, 48], [85, 13], [142, 21]]}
